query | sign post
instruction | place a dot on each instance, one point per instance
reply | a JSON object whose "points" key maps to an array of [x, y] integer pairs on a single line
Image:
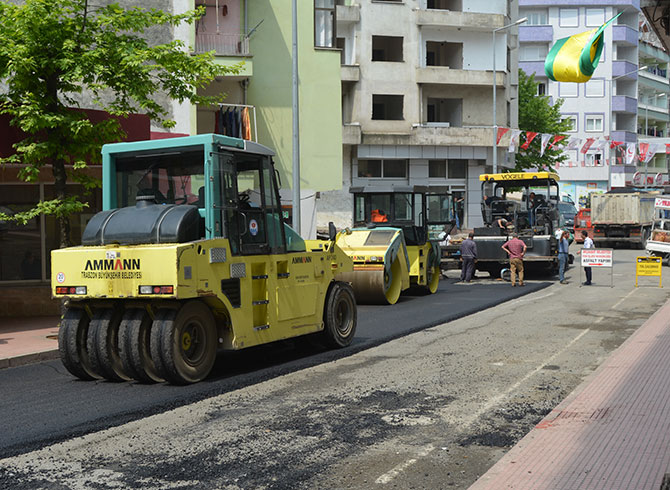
{"points": [[648, 266], [599, 258]]}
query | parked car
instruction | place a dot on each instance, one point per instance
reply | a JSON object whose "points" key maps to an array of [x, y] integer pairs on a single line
{"points": [[567, 214]]}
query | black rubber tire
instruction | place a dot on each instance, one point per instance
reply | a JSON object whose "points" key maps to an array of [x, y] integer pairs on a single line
{"points": [[184, 343], [103, 344], [339, 315], [72, 336], [135, 346]]}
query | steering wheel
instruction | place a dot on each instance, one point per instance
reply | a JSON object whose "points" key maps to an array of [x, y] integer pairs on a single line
{"points": [[158, 196]]}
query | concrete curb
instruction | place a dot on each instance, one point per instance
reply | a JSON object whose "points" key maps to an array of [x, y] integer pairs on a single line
{"points": [[29, 359]]}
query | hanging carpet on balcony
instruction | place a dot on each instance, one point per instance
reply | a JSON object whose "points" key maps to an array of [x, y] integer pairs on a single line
{"points": [[575, 58]]}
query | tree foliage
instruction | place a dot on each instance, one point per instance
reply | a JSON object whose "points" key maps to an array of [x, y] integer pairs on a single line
{"points": [[536, 113], [56, 53]]}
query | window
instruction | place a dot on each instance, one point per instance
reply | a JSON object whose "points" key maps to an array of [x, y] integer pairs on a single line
{"points": [[573, 123], [593, 159], [437, 169], [541, 88], [535, 17], [594, 123], [387, 48], [388, 169], [458, 169], [444, 54], [369, 168], [387, 107], [568, 17], [568, 89], [445, 112], [595, 88], [324, 23], [453, 5], [533, 52], [595, 17]]}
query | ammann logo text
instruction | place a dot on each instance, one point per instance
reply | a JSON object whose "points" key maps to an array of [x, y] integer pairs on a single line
{"points": [[301, 260], [112, 265]]}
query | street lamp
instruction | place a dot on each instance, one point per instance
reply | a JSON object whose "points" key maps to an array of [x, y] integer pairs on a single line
{"points": [[495, 122], [646, 133], [609, 119]]}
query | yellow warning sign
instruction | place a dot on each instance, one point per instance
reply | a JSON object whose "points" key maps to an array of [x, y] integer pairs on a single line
{"points": [[648, 266]]}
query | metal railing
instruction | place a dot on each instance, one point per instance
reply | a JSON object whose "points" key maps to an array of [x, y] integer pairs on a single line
{"points": [[222, 44]]}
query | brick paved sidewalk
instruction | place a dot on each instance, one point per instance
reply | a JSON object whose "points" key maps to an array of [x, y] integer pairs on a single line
{"points": [[612, 432], [26, 340]]}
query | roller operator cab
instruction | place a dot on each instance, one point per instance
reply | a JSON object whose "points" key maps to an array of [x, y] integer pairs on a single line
{"points": [[190, 256], [523, 202], [391, 244]]}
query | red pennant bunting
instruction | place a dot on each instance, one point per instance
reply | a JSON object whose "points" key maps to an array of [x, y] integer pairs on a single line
{"points": [[614, 144], [530, 136], [501, 133], [587, 145], [556, 139], [667, 147]]}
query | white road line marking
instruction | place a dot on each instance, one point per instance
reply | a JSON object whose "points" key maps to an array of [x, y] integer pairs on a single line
{"points": [[624, 298], [390, 475], [425, 451]]}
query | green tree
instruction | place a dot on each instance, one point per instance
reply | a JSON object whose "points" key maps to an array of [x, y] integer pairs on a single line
{"points": [[54, 53], [537, 114]]}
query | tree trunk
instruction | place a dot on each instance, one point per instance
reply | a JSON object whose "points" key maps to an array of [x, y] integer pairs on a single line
{"points": [[60, 179]]}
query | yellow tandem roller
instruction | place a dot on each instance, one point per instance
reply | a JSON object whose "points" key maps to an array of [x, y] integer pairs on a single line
{"points": [[381, 264]]}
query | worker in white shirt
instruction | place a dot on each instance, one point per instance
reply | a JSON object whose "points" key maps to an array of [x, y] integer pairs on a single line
{"points": [[588, 243]]}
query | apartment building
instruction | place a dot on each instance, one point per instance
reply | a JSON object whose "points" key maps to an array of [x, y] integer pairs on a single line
{"points": [[417, 97], [607, 105], [653, 119], [258, 34]]}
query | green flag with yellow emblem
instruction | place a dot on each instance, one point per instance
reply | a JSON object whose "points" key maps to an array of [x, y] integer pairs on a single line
{"points": [[575, 58]]}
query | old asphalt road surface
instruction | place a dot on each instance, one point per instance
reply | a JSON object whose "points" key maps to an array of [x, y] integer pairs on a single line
{"points": [[47, 404], [433, 409]]}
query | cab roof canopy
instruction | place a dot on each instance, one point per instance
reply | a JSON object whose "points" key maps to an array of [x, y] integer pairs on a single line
{"points": [[522, 178]]}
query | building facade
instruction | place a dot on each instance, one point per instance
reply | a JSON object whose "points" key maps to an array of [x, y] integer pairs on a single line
{"points": [[605, 106], [417, 93]]}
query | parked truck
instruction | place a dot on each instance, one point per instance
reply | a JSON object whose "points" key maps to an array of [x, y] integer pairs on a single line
{"points": [[658, 244], [622, 218]]}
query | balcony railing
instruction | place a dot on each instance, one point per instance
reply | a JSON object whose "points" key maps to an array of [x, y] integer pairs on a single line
{"points": [[222, 44]]}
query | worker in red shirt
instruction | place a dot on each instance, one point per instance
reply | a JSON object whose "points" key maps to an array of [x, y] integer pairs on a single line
{"points": [[515, 249], [379, 216]]}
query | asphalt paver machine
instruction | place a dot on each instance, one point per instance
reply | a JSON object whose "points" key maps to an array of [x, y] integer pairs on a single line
{"points": [[390, 244], [188, 257], [528, 202]]}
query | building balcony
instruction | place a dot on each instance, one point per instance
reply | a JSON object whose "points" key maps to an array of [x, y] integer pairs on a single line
{"points": [[623, 103], [536, 34], [468, 21], [438, 135], [625, 136], [350, 73], [348, 14], [222, 44], [351, 134], [655, 81], [443, 75], [621, 68], [624, 34], [533, 68]]}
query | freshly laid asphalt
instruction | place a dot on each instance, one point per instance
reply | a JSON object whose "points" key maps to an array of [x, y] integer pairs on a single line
{"points": [[43, 403]]}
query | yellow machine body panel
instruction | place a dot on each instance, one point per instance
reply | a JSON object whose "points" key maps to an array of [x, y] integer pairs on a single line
{"points": [[418, 263], [256, 299]]}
